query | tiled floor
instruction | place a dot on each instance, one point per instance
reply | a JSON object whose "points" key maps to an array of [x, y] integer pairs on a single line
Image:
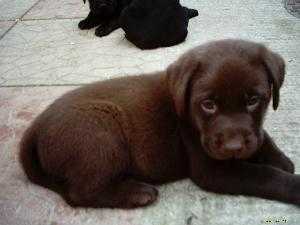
{"points": [[14, 9], [40, 45]]}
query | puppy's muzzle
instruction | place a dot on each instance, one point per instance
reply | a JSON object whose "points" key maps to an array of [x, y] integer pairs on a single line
{"points": [[231, 136], [239, 143]]}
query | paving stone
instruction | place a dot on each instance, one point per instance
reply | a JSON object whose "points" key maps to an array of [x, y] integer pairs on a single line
{"points": [[49, 9], [14, 9], [4, 26]]}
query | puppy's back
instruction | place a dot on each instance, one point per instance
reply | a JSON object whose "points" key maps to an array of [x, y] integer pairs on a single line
{"points": [[137, 96]]}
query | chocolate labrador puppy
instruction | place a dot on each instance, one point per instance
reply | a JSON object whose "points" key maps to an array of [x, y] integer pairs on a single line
{"points": [[102, 145], [147, 23]]}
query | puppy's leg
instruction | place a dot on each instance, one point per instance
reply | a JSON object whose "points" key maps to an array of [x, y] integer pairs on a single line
{"points": [[127, 193], [108, 27], [243, 178], [99, 178], [90, 22], [99, 158], [98, 166], [240, 177], [270, 154]]}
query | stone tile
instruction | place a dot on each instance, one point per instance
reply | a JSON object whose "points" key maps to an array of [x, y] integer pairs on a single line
{"points": [[14, 9], [56, 52], [4, 26], [8, 214], [49, 9]]}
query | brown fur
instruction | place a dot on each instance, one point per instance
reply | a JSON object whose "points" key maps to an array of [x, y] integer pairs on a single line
{"points": [[102, 143]]}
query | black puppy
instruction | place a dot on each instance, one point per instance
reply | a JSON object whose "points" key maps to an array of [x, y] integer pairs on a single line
{"points": [[156, 23], [104, 14], [148, 24]]}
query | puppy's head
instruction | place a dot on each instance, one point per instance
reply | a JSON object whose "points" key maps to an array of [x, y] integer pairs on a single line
{"points": [[222, 89], [102, 7]]}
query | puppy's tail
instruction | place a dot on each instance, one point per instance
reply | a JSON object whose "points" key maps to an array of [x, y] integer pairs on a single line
{"points": [[29, 159], [192, 13]]}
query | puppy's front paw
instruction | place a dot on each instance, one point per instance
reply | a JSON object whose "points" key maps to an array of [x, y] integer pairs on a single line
{"points": [[83, 25], [288, 166], [284, 163], [88, 24], [143, 197], [103, 30], [293, 192]]}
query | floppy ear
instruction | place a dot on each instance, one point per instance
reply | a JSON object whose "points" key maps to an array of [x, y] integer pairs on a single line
{"points": [[179, 76], [275, 67]]}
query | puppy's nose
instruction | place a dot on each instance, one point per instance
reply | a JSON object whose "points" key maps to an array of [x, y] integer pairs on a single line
{"points": [[234, 145]]}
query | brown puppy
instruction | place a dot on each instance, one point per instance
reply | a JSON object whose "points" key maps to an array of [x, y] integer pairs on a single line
{"points": [[201, 118]]}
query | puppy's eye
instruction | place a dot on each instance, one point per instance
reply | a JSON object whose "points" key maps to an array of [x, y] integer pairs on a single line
{"points": [[209, 106], [253, 101]]}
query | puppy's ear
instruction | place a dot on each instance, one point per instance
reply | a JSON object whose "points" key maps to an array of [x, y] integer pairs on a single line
{"points": [[179, 76], [275, 67]]}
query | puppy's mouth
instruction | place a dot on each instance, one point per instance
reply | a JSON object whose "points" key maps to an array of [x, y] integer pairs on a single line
{"points": [[222, 155]]}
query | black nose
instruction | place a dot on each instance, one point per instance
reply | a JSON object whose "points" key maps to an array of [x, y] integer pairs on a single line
{"points": [[234, 145]]}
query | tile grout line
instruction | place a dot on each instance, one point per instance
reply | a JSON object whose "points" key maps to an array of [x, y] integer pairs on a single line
{"points": [[43, 85], [42, 19], [2, 36], [54, 18], [18, 19], [38, 19]]}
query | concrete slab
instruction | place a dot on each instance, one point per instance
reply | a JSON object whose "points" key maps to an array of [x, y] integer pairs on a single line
{"points": [[57, 52], [179, 203], [14, 9], [4, 26], [49, 9]]}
